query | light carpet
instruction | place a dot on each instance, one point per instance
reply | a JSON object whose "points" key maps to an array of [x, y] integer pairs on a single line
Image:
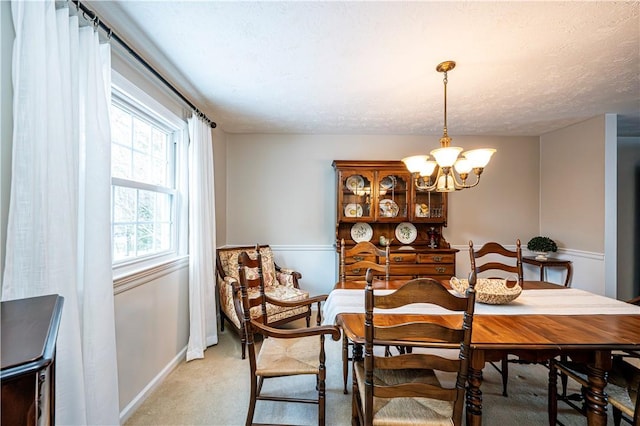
{"points": [[215, 391]]}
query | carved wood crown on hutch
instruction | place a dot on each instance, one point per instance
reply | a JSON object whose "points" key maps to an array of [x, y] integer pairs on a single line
{"points": [[379, 199]]}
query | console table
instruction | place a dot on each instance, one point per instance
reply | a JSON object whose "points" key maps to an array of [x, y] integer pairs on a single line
{"points": [[550, 262], [29, 333]]}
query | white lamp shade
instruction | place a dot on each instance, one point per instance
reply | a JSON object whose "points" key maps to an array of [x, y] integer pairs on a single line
{"points": [[415, 163], [428, 168], [446, 157], [479, 157], [445, 185], [463, 165]]}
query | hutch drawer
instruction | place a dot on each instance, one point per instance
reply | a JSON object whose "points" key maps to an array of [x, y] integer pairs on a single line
{"points": [[402, 258], [436, 258]]}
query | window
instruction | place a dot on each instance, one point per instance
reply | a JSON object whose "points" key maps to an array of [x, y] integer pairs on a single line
{"points": [[146, 194]]}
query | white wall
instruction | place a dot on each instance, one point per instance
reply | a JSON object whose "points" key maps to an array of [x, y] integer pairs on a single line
{"points": [[572, 198], [281, 191], [220, 184], [152, 330], [628, 203]]}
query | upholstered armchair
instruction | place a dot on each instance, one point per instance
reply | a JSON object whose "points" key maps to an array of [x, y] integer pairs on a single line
{"points": [[279, 283]]}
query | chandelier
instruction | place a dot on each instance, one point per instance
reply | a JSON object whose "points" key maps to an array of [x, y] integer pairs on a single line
{"points": [[447, 158]]}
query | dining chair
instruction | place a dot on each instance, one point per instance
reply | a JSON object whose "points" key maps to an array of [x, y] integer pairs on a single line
{"points": [[283, 352], [498, 260], [357, 260], [404, 388], [623, 384]]}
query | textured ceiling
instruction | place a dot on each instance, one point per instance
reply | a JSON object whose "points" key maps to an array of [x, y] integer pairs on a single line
{"points": [[523, 68]]}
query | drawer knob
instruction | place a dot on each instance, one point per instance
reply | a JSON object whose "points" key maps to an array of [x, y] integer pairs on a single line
{"points": [[437, 258], [441, 269], [398, 259], [358, 258], [356, 271]]}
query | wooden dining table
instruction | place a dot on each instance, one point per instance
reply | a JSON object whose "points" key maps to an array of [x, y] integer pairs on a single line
{"points": [[589, 337]]}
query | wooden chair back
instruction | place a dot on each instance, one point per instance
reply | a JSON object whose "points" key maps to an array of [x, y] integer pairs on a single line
{"points": [[365, 255], [420, 290], [250, 274], [510, 262]]}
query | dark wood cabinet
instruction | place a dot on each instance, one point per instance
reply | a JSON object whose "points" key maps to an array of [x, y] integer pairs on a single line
{"points": [[29, 334], [378, 201]]}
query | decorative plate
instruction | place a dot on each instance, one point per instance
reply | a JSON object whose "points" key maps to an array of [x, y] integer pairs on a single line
{"points": [[388, 182], [354, 183], [361, 232], [406, 232], [491, 291], [353, 210], [388, 208], [422, 210]]}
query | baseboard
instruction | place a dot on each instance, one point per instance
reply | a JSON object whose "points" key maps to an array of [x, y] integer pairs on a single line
{"points": [[151, 386]]}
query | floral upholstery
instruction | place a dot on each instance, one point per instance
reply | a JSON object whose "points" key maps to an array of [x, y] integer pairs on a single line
{"points": [[229, 262], [280, 283]]}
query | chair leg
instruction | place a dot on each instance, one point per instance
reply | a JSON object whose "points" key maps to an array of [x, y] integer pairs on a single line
{"points": [[563, 377], [243, 343], [252, 402], [617, 416], [309, 319], [505, 374], [552, 405], [321, 398], [355, 401], [345, 362]]}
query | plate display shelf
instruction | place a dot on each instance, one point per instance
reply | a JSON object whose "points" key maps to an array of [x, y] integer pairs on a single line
{"points": [[384, 197]]}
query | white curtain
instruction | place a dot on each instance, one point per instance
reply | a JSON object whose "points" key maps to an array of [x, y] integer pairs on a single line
{"points": [[203, 327], [58, 234]]}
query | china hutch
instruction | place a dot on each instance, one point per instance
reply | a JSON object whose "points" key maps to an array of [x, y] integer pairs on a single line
{"points": [[378, 201]]}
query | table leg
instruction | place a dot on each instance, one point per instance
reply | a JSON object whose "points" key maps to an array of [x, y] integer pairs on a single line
{"points": [[567, 281], [596, 398], [474, 394], [541, 272]]}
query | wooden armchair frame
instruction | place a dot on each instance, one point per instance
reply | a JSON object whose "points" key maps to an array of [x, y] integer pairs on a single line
{"points": [[278, 356]]}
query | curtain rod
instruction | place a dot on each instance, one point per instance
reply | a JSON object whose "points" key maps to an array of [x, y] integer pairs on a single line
{"points": [[90, 14]]}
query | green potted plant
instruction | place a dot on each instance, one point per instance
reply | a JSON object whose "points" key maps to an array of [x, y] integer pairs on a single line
{"points": [[542, 246]]}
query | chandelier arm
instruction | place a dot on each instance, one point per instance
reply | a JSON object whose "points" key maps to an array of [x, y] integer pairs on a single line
{"points": [[465, 186], [456, 184], [422, 187]]}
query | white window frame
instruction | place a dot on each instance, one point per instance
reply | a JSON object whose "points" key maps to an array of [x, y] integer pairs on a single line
{"points": [[126, 94]]}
